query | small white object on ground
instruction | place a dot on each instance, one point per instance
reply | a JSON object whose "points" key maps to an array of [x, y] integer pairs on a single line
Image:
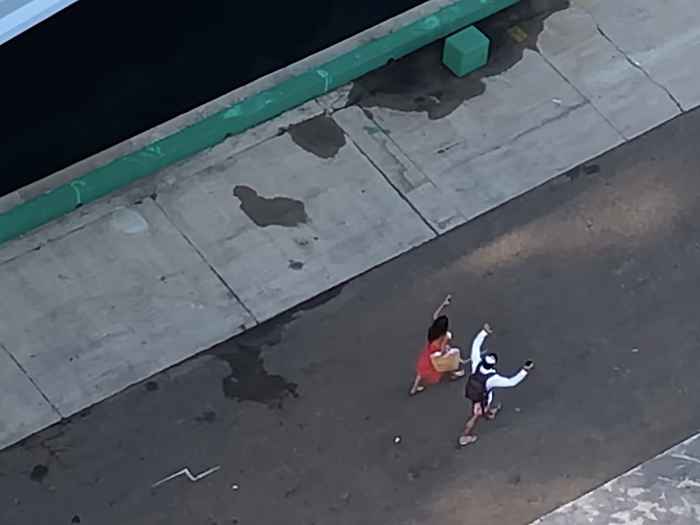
{"points": [[397, 439], [235, 487]]}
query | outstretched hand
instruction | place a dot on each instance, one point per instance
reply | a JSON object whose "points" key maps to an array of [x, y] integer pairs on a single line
{"points": [[487, 328]]}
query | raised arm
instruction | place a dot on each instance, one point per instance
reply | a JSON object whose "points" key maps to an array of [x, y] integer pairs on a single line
{"points": [[442, 306], [475, 355]]}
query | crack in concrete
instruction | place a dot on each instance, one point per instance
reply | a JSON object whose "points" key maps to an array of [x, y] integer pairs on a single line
{"points": [[402, 180], [631, 61], [519, 135], [584, 97], [213, 269], [389, 138], [403, 196]]}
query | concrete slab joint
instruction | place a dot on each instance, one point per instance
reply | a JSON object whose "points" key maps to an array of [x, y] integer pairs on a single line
{"points": [[634, 63], [661, 39], [24, 407]]}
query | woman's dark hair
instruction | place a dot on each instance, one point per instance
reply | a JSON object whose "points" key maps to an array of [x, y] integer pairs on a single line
{"points": [[439, 328]]}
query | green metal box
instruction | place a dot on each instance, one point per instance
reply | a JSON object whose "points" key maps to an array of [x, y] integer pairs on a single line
{"points": [[466, 51]]}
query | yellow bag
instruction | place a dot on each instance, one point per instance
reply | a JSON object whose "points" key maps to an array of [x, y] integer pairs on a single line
{"points": [[447, 362]]}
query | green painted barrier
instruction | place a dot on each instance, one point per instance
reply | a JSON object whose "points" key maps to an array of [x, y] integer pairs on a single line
{"points": [[243, 115]]}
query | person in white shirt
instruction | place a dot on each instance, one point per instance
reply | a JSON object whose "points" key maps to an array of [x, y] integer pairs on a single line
{"points": [[484, 379]]}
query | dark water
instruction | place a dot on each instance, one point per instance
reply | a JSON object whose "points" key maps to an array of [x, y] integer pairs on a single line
{"points": [[101, 72]]}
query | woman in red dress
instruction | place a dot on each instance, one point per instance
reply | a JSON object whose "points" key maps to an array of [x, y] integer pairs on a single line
{"points": [[438, 341]]}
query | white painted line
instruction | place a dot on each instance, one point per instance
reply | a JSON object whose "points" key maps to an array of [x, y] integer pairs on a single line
{"points": [[185, 471]]}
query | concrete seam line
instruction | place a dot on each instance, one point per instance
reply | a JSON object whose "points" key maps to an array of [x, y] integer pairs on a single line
{"points": [[243, 115], [590, 100], [32, 381], [393, 186], [206, 261], [399, 148]]}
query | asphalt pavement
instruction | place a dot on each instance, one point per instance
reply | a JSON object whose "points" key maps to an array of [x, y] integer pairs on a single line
{"points": [[594, 275]]}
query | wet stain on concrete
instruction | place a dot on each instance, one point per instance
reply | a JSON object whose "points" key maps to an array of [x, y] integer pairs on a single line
{"points": [[296, 265], [319, 300], [420, 83], [587, 169], [249, 381], [319, 135], [591, 169], [38, 473], [274, 211], [270, 333]]}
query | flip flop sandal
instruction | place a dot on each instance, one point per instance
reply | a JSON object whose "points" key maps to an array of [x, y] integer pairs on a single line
{"points": [[467, 440]]}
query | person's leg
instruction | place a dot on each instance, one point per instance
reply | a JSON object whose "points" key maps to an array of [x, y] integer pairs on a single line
{"points": [[492, 408], [417, 387], [467, 436]]}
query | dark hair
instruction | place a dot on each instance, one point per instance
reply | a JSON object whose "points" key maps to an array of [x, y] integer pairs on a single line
{"points": [[438, 328]]}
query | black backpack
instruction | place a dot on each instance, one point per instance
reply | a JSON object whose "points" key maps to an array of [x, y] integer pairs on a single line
{"points": [[475, 389]]}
